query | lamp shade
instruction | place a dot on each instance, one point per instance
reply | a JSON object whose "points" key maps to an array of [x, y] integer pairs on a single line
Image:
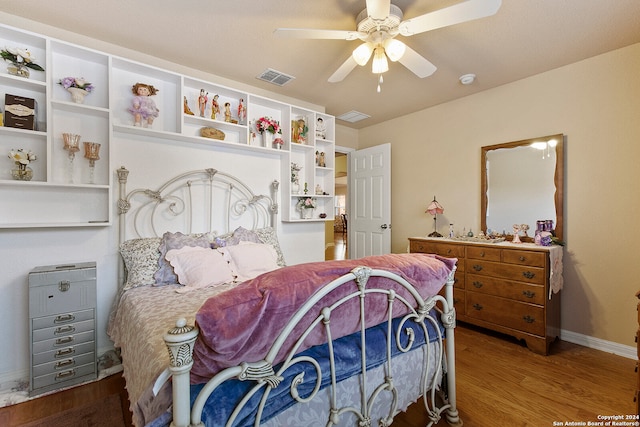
{"points": [[394, 49], [434, 207], [379, 64], [362, 53]]}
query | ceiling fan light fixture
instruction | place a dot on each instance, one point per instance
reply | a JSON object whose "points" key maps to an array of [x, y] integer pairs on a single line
{"points": [[394, 49], [380, 64], [362, 53]]}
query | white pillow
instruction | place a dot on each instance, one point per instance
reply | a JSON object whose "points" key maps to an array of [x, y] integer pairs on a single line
{"points": [[248, 259], [199, 267]]}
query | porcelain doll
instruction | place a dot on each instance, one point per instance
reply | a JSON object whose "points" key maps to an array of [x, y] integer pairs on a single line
{"points": [[227, 112], [143, 108], [215, 107], [242, 112], [202, 102]]}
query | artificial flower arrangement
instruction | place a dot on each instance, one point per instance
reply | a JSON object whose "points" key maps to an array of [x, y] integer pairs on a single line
{"points": [[22, 158], [278, 141], [76, 82], [295, 172], [268, 124], [306, 203], [20, 57]]}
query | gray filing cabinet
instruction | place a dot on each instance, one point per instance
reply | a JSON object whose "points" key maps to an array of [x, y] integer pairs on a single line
{"points": [[62, 326]]}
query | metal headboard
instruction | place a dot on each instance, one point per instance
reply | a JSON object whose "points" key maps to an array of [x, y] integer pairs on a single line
{"points": [[204, 200]]}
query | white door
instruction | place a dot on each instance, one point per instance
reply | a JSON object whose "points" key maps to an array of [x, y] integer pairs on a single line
{"points": [[370, 201]]}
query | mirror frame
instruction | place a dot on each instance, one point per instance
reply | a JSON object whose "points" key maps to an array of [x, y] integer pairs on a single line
{"points": [[558, 180]]}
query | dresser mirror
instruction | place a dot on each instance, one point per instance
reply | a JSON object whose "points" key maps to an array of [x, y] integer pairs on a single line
{"points": [[523, 182]]}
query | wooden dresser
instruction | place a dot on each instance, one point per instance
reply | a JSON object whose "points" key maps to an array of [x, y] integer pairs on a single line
{"points": [[503, 287]]}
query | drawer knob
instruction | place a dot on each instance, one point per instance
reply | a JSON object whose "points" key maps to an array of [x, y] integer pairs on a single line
{"points": [[477, 306], [64, 352], [522, 259], [456, 300], [528, 274], [64, 285], [529, 319], [64, 330], [482, 254], [62, 364], [528, 294], [477, 284], [65, 374], [448, 251], [64, 341], [63, 318], [477, 267]]}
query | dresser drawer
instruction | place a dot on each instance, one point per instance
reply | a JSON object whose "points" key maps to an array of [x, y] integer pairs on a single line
{"points": [[62, 378], [448, 250], [518, 291], [62, 319], [506, 271], [63, 364], [70, 329], [481, 252], [530, 258], [64, 352], [512, 314], [63, 342]]}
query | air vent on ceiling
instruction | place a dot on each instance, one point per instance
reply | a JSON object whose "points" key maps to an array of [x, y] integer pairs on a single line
{"points": [[275, 77], [353, 116]]}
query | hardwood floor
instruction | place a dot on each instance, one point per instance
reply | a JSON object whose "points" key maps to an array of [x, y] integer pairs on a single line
{"points": [[501, 383]]}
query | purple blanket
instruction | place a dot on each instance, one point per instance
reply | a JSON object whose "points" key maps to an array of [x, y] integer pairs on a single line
{"points": [[241, 324]]}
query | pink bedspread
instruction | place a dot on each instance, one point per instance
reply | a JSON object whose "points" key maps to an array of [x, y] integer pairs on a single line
{"points": [[241, 324]]}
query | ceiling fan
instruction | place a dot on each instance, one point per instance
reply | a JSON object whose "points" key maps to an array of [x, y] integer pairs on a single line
{"points": [[379, 24]]}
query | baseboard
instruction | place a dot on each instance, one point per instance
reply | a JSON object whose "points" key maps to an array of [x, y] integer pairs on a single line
{"points": [[627, 351]]}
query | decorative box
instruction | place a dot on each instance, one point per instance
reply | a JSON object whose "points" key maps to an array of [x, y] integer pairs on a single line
{"points": [[20, 112]]}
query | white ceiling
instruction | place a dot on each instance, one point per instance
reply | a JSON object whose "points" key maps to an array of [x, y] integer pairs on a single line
{"points": [[234, 39]]}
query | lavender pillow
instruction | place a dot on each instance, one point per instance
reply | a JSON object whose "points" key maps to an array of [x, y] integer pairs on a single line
{"points": [[165, 275]]}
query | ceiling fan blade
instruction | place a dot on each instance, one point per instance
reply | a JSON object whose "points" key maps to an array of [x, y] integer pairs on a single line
{"points": [[378, 9], [456, 14], [308, 33], [344, 70], [416, 63]]}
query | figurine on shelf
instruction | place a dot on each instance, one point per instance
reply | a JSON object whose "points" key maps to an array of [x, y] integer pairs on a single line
{"points": [[321, 129], [187, 110], [242, 112], [321, 160], [215, 107], [301, 131], [202, 101], [516, 234], [227, 112], [143, 107]]}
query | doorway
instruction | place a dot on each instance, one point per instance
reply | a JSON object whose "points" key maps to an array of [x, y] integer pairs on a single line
{"points": [[336, 231]]}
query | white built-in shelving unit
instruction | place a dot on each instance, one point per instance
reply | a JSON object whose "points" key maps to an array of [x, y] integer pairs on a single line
{"points": [[54, 199]]}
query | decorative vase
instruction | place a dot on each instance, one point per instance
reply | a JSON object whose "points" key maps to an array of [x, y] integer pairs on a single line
{"points": [[267, 139], [18, 69], [295, 188], [77, 94], [22, 173], [306, 213]]}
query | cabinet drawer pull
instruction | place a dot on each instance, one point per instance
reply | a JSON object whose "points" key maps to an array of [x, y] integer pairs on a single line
{"points": [[455, 280], [477, 284], [528, 294], [64, 285], [62, 364], [482, 254], [477, 267], [64, 341], [64, 330], [65, 374], [63, 318], [456, 300], [448, 251], [528, 274], [522, 258], [529, 319], [65, 352], [477, 306]]}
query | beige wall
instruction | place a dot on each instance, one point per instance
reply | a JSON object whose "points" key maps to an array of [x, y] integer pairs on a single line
{"points": [[596, 104]]}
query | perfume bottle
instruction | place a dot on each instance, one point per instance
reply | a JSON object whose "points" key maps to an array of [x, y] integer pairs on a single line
{"points": [[451, 231]]}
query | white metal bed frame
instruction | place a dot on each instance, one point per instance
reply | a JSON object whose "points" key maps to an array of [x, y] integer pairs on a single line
{"points": [[439, 399]]}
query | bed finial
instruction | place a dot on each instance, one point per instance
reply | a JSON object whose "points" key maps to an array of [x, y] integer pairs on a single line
{"points": [[123, 173]]}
